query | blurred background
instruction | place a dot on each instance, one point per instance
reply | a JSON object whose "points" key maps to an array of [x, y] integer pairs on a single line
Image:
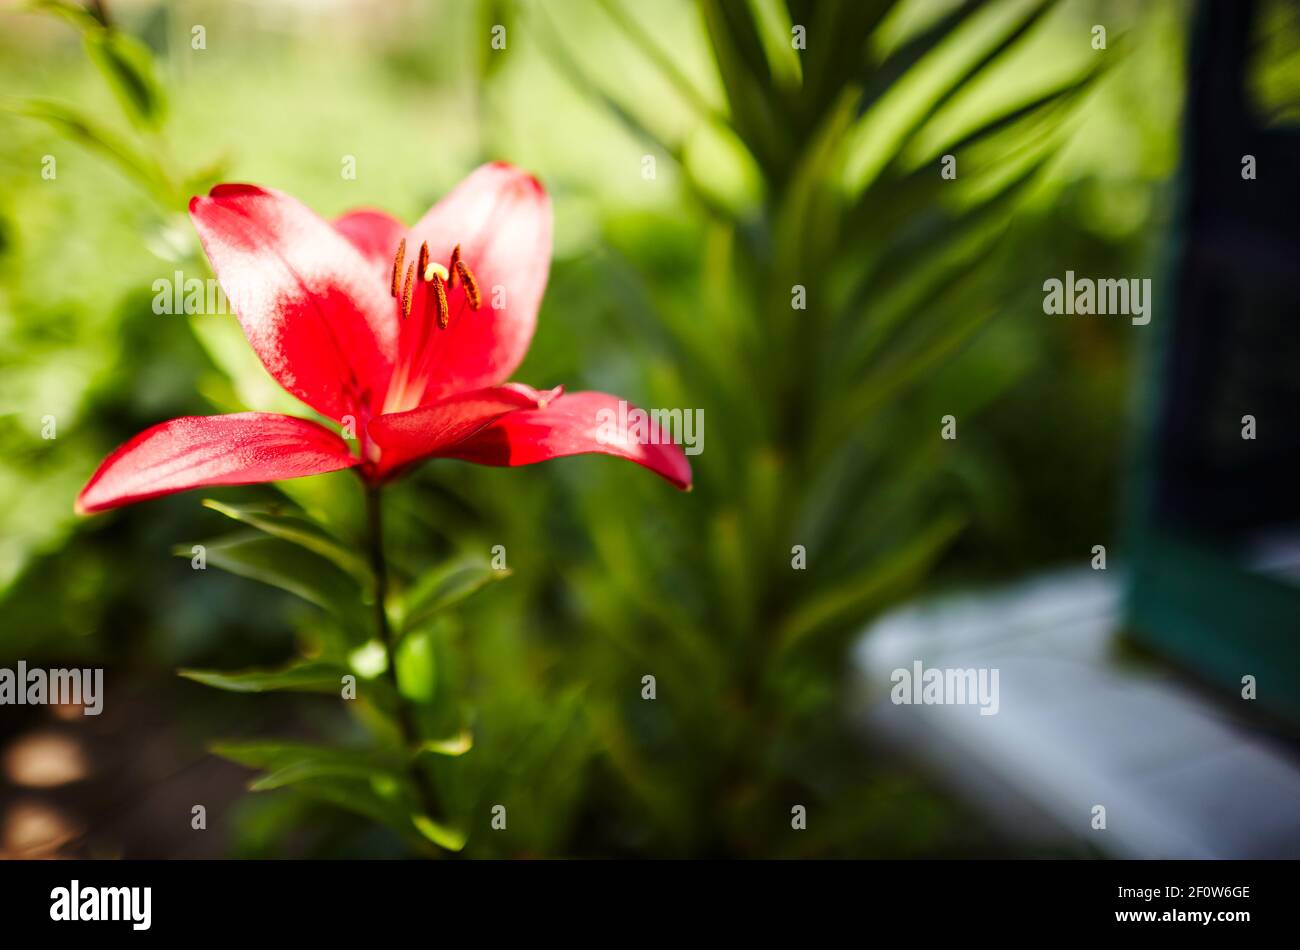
{"points": [[701, 167]]}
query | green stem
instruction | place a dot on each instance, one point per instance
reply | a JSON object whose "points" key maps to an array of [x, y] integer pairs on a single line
{"points": [[405, 714]]}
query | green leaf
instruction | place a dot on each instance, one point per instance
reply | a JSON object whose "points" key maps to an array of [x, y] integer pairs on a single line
{"points": [[859, 593], [363, 781], [444, 836], [127, 66], [582, 80], [962, 80], [288, 567], [838, 32], [313, 767], [304, 676], [900, 61], [295, 527], [381, 799], [85, 131], [291, 763], [455, 745], [1054, 100], [276, 754], [416, 670], [82, 17], [663, 61], [905, 369], [746, 78], [774, 29], [372, 783], [309, 676], [446, 586], [876, 147]]}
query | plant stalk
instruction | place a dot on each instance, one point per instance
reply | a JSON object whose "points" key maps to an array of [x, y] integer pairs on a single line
{"points": [[405, 714]]}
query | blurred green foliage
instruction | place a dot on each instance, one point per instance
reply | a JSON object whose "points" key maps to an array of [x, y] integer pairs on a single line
{"points": [[774, 168]]}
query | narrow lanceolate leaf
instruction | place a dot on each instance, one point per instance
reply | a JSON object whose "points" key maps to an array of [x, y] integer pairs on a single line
{"points": [[288, 567], [921, 237], [311, 676], [838, 30], [85, 131], [906, 369], [899, 61], [581, 80], [381, 800], [853, 598], [368, 782], [294, 527], [308, 768], [83, 17], [663, 61], [455, 745], [446, 586], [274, 754], [1052, 102], [1019, 28], [444, 836], [384, 801], [127, 67], [747, 80]]}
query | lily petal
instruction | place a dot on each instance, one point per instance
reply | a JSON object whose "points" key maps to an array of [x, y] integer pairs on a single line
{"points": [[574, 424], [375, 234], [313, 308], [195, 451], [433, 429], [501, 218]]}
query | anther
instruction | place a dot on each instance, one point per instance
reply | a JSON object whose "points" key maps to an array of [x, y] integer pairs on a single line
{"points": [[408, 291], [424, 259], [471, 286], [440, 295], [397, 267], [451, 267]]}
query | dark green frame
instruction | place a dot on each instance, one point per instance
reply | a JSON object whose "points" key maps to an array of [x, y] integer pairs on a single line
{"points": [[1187, 597]]}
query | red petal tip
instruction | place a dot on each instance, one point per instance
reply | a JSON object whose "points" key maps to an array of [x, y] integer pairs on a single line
{"points": [[231, 189]]}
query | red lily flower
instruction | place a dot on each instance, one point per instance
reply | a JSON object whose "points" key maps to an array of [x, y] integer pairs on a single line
{"points": [[365, 323]]}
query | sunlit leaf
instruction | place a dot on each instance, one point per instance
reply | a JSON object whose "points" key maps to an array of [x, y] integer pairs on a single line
{"points": [[416, 670], [746, 78], [127, 66], [882, 76], [85, 131], [83, 16], [662, 59], [455, 745], [444, 836], [293, 526], [308, 676], [370, 783], [1010, 38], [445, 586]]}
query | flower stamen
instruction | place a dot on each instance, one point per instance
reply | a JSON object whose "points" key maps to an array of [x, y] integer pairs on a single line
{"points": [[471, 285], [424, 258], [451, 266], [440, 295], [408, 291], [397, 267]]}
